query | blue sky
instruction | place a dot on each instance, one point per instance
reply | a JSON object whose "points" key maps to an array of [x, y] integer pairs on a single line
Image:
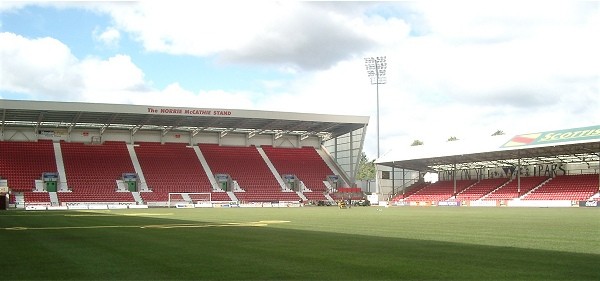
{"points": [[517, 66], [77, 28]]}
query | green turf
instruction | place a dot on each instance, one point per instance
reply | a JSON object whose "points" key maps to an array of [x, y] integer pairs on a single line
{"points": [[311, 243]]}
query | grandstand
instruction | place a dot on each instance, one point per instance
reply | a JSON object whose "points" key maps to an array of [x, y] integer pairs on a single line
{"points": [[556, 168], [57, 154]]}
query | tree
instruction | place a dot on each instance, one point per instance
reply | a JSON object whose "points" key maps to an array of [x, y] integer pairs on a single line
{"points": [[416, 142], [452, 138], [498, 133], [366, 168]]}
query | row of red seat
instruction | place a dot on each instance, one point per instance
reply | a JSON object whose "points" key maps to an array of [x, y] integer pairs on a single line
{"points": [[575, 187], [168, 168], [24, 162], [104, 163], [248, 168], [93, 169], [568, 187], [303, 162], [440, 191]]}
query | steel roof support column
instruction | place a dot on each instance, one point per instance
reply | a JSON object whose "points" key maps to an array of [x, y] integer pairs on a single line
{"points": [[519, 177], [393, 180], [2, 125], [454, 177], [351, 171], [37, 126], [403, 182]]}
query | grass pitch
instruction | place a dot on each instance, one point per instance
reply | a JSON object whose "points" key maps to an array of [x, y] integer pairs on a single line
{"points": [[311, 243]]}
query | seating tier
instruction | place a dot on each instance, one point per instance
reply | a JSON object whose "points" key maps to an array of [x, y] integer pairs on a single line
{"points": [[21, 163], [412, 189], [92, 171], [305, 163], [246, 166], [170, 167], [440, 191], [480, 189], [570, 187], [36, 197], [511, 190]]}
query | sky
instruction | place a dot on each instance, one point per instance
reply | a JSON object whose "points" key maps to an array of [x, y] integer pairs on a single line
{"points": [[461, 69]]}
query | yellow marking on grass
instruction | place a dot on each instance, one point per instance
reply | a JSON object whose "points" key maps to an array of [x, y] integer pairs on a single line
{"points": [[90, 215], [66, 227], [108, 214], [152, 226], [147, 214]]}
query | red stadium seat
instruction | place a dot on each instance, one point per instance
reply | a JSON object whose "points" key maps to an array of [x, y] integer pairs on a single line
{"points": [[21, 163]]}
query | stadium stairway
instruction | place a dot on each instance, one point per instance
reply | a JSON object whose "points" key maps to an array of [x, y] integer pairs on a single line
{"points": [[207, 170], [410, 190], [250, 171], [186, 197], [440, 190], [328, 197], [53, 198], [533, 188], [480, 189], [333, 166], [172, 168], [232, 196], [272, 168], [93, 169], [18, 198], [60, 166], [566, 187], [510, 190], [301, 195], [306, 163], [138, 198], [138, 169]]}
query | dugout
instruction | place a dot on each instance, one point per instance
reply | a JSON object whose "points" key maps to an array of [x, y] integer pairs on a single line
{"points": [[4, 197]]}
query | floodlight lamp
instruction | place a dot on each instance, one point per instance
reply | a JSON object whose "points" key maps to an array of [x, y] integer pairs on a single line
{"points": [[376, 69]]}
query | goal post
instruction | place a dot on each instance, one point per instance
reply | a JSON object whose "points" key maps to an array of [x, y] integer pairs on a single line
{"points": [[189, 198]]}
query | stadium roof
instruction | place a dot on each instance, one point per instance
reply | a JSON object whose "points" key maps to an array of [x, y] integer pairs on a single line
{"points": [[577, 145], [75, 115]]}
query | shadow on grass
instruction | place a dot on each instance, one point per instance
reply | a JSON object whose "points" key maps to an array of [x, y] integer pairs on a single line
{"points": [[102, 246]]}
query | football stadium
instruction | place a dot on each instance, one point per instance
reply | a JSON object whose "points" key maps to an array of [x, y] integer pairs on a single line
{"points": [[131, 192]]}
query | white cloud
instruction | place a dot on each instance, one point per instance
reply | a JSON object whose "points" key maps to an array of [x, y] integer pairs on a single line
{"points": [[38, 67], [258, 32], [115, 73], [463, 69], [109, 37], [12, 5], [46, 69], [476, 71]]}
